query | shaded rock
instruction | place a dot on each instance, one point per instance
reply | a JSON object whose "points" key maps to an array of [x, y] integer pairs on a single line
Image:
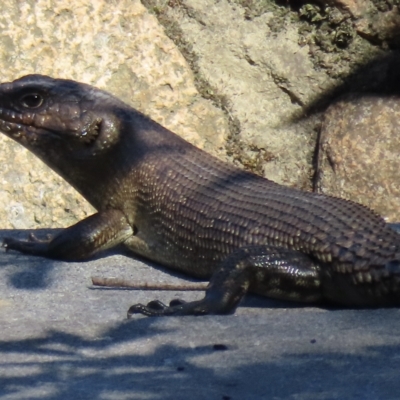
{"points": [[355, 8], [383, 27]]}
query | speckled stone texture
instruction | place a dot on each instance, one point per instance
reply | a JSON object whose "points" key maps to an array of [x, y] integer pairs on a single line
{"points": [[115, 46], [359, 157], [266, 76]]}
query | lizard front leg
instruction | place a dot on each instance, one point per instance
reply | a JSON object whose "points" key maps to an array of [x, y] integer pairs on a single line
{"points": [[271, 271], [100, 231]]}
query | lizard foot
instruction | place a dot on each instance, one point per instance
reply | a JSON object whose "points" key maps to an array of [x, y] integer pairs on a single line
{"points": [[176, 307], [24, 246]]}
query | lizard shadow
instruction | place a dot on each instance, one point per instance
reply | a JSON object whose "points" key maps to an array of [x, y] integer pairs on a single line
{"points": [[32, 272], [35, 273], [25, 272]]}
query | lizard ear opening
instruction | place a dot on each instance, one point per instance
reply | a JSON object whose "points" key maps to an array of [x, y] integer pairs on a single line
{"points": [[89, 135], [99, 136]]}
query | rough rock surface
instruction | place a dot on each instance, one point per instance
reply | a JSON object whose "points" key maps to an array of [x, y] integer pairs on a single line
{"points": [[118, 47], [266, 77], [359, 156], [235, 77]]}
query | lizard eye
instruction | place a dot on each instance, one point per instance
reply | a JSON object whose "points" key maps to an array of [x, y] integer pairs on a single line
{"points": [[31, 100]]}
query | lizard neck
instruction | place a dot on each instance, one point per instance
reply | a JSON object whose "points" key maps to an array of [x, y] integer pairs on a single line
{"points": [[142, 144]]}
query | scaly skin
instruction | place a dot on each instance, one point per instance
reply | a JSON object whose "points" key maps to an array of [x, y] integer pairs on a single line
{"points": [[174, 204]]}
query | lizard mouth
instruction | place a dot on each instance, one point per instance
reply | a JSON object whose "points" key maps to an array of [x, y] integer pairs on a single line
{"points": [[17, 126], [21, 127]]}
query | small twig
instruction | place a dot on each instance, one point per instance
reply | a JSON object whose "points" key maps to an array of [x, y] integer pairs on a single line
{"points": [[124, 284]]}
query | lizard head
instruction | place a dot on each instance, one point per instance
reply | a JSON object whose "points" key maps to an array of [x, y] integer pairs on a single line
{"points": [[59, 119]]}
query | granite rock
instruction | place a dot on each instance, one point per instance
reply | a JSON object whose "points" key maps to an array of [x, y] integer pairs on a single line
{"points": [[118, 47], [359, 152]]}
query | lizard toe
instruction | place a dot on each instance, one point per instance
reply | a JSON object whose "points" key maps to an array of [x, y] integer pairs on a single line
{"points": [[176, 302]]}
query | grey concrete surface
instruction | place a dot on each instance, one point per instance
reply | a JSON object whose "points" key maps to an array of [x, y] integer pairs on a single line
{"points": [[62, 339]]}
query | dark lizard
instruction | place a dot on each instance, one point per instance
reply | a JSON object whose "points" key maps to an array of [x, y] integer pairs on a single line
{"points": [[172, 203]]}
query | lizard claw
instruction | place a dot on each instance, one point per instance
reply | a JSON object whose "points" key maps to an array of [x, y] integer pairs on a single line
{"points": [[8, 243], [5, 244]]}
